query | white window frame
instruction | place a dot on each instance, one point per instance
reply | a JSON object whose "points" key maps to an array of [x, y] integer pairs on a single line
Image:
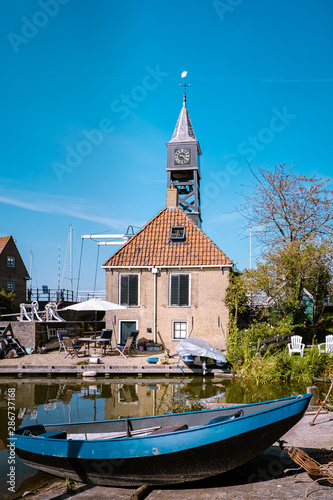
{"points": [[189, 289], [177, 339], [129, 274], [10, 286], [126, 321]]}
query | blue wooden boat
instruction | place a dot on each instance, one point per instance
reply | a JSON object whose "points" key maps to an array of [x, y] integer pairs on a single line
{"points": [[165, 449]]}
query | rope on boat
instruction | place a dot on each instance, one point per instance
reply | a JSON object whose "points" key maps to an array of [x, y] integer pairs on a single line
{"points": [[323, 403], [178, 366], [311, 466]]}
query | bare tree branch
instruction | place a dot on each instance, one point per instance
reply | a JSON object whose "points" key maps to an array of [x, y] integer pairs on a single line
{"points": [[284, 207]]}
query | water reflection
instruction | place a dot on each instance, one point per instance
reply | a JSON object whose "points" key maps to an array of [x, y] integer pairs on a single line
{"points": [[45, 401]]}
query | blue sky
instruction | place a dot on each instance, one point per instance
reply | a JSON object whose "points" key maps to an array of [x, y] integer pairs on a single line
{"points": [[90, 95]]}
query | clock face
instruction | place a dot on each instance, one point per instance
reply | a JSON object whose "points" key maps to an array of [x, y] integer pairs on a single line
{"points": [[182, 156]]}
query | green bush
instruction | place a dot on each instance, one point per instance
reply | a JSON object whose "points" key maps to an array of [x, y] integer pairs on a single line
{"points": [[275, 364], [239, 349], [7, 301]]}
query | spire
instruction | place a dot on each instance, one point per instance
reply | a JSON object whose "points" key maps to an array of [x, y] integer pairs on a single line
{"points": [[184, 131]]}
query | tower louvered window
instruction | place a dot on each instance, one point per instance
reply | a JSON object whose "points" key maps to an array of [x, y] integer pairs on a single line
{"points": [[179, 289], [129, 289]]}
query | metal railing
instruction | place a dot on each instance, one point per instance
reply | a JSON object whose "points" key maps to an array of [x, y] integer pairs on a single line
{"points": [[46, 294]]}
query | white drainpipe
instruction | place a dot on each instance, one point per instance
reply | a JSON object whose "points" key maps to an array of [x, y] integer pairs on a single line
{"points": [[155, 271]]}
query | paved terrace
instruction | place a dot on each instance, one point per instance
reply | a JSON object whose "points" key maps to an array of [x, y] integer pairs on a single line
{"points": [[53, 363]]}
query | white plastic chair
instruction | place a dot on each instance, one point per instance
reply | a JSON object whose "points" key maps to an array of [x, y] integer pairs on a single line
{"points": [[327, 346], [296, 345]]}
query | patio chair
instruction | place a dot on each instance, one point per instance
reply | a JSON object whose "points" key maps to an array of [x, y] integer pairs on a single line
{"points": [[105, 339], [134, 334], [70, 347], [327, 346], [296, 345], [125, 349], [61, 334]]}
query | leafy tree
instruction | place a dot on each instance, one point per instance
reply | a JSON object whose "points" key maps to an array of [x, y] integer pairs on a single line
{"points": [[7, 302], [235, 297], [291, 216], [286, 271]]}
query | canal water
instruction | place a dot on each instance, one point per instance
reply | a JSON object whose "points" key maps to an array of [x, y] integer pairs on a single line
{"points": [[43, 401]]}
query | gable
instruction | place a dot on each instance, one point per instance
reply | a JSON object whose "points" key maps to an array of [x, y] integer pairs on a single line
{"points": [[152, 245], [9, 248]]}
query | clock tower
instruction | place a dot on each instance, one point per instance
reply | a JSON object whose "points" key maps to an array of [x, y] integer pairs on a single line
{"points": [[183, 166]]}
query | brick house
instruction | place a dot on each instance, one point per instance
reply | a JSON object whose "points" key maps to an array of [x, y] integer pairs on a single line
{"points": [[173, 279], [170, 275], [13, 273]]}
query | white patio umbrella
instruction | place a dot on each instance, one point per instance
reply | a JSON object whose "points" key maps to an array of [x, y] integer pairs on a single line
{"points": [[95, 305]]}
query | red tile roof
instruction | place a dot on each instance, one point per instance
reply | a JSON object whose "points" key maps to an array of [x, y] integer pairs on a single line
{"points": [[151, 246], [3, 242]]}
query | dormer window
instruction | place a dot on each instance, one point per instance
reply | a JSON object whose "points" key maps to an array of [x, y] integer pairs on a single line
{"points": [[177, 233]]}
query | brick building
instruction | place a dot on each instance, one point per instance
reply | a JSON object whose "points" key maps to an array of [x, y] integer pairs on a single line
{"points": [[170, 275], [13, 273], [173, 279]]}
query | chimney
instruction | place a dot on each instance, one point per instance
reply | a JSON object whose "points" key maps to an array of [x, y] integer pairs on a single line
{"points": [[172, 198]]}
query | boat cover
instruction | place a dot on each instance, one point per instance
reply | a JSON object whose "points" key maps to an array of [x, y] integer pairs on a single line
{"points": [[198, 347]]}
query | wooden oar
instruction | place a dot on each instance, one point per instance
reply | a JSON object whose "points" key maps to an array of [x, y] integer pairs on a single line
{"points": [[113, 435]]}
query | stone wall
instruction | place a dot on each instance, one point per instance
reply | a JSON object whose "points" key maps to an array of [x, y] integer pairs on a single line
{"points": [[29, 334], [25, 333]]}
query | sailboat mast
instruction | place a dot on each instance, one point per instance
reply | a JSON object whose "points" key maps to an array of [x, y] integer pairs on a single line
{"points": [[30, 270], [59, 270], [71, 255]]}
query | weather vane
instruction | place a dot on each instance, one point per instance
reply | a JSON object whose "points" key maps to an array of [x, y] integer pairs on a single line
{"points": [[183, 75]]}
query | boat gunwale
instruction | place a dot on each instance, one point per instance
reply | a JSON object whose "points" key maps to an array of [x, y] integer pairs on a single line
{"points": [[288, 399], [291, 400]]}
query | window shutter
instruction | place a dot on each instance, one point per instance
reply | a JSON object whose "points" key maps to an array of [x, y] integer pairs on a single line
{"points": [[174, 290], [124, 290], [183, 290], [129, 290], [133, 290], [179, 294]]}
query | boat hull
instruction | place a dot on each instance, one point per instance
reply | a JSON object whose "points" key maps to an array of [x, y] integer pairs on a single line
{"points": [[179, 457]]}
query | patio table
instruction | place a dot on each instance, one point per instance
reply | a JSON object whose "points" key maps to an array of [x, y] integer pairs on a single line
{"points": [[87, 341]]}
